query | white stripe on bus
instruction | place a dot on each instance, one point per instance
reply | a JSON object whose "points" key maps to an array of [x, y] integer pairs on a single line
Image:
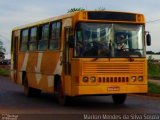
{"points": [[38, 68], [25, 62], [50, 81], [58, 70]]}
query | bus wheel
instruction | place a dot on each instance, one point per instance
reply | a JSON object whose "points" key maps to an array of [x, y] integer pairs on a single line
{"points": [[30, 92], [119, 98], [62, 98], [35, 92]]}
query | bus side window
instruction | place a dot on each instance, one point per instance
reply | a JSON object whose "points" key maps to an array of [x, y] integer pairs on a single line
{"points": [[55, 35], [43, 37], [33, 39], [24, 40]]}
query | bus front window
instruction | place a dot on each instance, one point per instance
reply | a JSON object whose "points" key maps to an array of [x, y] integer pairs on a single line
{"points": [[92, 40], [108, 40], [129, 40]]}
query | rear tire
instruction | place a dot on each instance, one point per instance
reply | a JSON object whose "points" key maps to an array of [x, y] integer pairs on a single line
{"points": [[30, 92], [119, 98]]}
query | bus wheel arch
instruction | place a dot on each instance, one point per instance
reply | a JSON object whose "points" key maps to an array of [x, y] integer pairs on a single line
{"points": [[24, 75], [57, 81], [29, 91]]}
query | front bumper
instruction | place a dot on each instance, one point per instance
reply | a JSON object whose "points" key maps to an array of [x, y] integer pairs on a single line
{"points": [[109, 89]]}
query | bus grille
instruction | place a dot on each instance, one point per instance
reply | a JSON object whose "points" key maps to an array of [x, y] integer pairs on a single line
{"points": [[113, 79], [100, 68]]}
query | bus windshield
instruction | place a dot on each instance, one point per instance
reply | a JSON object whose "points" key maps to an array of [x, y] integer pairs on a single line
{"points": [[109, 40]]}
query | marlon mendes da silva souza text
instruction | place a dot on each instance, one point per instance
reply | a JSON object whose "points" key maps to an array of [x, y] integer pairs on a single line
{"points": [[121, 117]]}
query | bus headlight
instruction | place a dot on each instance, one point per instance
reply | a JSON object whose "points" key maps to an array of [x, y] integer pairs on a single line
{"points": [[133, 78], [140, 78], [85, 79], [93, 79]]}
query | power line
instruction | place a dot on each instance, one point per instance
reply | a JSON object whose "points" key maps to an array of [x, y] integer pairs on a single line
{"points": [[153, 21]]}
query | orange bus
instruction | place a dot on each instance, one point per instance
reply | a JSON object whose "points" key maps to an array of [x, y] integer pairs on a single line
{"points": [[82, 53]]}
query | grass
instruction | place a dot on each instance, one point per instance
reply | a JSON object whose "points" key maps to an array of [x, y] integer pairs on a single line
{"points": [[4, 72], [154, 70], [153, 88]]}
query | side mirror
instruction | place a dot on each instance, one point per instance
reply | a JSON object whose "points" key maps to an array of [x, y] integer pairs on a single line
{"points": [[71, 41], [148, 38]]}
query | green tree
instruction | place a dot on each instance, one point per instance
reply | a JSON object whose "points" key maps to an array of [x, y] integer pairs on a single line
{"points": [[75, 9], [158, 53], [2, 49], [150, 52]]}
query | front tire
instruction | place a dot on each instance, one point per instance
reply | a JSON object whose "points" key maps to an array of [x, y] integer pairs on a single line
{"points": [[119, 98], [62, 98]]}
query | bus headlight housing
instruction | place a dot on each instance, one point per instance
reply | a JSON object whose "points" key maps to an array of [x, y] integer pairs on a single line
{"points": [[85, 79], [140, 78], [133, 78], [93, 79]]}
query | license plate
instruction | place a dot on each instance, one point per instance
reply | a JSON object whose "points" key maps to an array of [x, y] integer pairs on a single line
{"points": [[114, 88]]}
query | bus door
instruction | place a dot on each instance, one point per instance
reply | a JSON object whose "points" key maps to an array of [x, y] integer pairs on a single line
{"points": [[67, 62], [15, 55], [67, 54]]}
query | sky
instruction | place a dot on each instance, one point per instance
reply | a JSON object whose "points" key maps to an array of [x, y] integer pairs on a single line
{"points": [[20, 12]]}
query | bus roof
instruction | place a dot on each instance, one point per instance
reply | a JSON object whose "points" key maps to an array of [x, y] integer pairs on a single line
{"points": [[64, 16], [46, 20]]}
